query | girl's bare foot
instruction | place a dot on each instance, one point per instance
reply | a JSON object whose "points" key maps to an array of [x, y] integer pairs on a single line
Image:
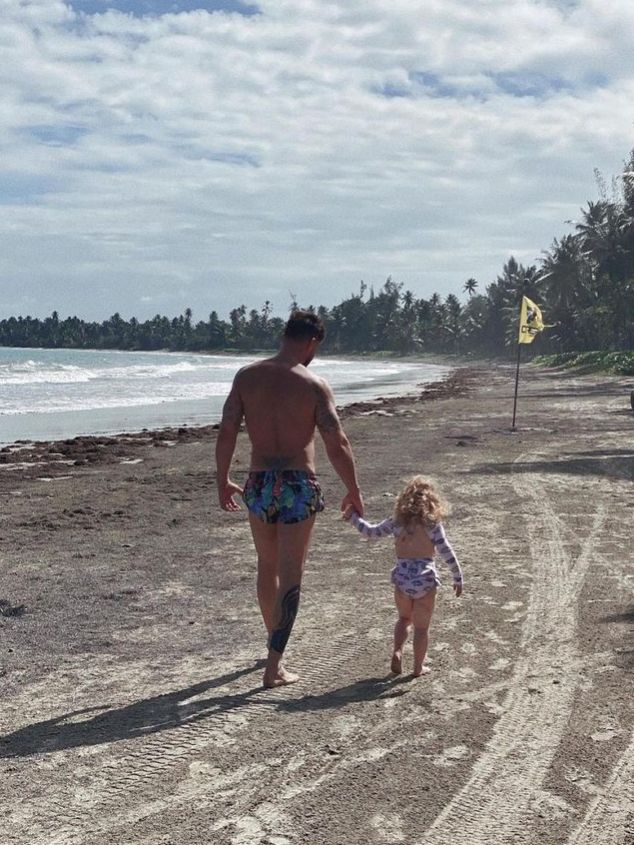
{"points": [[397, 663], [424, 670], [279, 679]]}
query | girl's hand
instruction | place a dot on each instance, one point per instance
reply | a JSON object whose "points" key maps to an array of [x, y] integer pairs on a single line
{"points": [[457, 588], [350, 509]]}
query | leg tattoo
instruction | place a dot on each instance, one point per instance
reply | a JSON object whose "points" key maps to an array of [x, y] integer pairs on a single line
{"points": [[280, 634]]}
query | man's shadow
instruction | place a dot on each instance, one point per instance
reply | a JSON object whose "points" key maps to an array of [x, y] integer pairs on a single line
{"points": [[141, 718], [99, 725]]}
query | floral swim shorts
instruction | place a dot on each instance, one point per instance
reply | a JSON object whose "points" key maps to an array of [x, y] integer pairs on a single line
{"points": [[286, 496]]}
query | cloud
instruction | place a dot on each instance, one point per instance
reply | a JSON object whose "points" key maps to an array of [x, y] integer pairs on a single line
{"points": [[224, 151]]}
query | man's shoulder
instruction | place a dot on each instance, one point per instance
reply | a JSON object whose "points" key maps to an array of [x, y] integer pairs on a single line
{"points": [[248, 370], [321, 384], [269, 372]]}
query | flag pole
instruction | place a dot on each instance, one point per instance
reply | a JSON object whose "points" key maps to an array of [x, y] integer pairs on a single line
{"points": [[517, 379]]}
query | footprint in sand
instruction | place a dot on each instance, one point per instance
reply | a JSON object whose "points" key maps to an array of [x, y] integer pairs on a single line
{"points": [[388, 828], [500, 664], [451, 756]]}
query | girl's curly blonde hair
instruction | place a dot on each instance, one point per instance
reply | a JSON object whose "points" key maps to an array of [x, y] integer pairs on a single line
{"points": [[419, 502]]}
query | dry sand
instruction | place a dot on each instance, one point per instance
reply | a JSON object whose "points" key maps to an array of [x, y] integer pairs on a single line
{"points": [[131, 648]]}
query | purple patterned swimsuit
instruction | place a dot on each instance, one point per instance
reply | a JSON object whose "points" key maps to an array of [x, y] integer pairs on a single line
{"points": [[413, 576]]}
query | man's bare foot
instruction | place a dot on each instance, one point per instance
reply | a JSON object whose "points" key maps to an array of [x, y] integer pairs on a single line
{"points": [[279, 679], [424, 670], [397, 663]]}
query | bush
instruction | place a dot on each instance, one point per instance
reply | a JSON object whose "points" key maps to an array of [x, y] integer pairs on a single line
{"points": [[619, 363]]}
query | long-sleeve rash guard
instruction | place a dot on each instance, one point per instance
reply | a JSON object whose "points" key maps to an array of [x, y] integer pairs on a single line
{"points": [[390, 528]]}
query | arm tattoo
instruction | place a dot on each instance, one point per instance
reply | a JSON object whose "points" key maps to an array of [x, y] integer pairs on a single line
{"points": [[233, 411], [280, 634], [325, 414]]}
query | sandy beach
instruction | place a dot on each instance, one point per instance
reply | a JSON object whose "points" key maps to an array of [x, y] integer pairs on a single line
{"points": [[131, 648]]}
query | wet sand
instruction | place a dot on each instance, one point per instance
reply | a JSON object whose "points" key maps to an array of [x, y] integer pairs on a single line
{"points": [[131, 648]]}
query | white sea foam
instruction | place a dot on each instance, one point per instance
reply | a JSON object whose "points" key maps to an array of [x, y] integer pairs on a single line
{"points": [[49, 393], [35, 372], [169, 394]]}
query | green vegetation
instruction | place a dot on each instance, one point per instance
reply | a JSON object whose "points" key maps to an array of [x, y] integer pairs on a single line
{"points": [[584, 284], [620, 363]]}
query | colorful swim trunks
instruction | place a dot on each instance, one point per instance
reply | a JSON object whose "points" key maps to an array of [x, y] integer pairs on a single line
{"points": [[286, 496]]}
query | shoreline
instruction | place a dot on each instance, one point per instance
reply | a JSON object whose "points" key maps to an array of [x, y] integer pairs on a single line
{"points": [[64, 412], [95, 448]]}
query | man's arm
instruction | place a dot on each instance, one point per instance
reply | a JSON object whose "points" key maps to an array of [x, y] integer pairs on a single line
{"points": [[232, 415], [337, 445]]}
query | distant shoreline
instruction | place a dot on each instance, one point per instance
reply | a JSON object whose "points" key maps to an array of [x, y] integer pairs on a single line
{"points": [[35, 424], [95, 448]]}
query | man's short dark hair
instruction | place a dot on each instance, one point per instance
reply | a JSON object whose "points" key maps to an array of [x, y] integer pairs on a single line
{"points": [[304, 325]]}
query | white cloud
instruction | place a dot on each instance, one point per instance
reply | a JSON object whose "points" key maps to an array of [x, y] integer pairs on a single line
{"points": [[205, 159]]}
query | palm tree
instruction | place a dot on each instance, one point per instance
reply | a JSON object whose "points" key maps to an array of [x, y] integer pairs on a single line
{"points": [[605, 234], [566, 281], [470, 286]]}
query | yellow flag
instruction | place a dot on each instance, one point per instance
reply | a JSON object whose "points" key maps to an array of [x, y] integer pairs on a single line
{"points": [[531, 322]]}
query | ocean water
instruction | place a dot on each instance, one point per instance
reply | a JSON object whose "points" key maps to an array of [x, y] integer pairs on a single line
{"points": [[51, 394]]}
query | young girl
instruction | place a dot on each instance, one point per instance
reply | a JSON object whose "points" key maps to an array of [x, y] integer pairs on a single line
{"points": [[418, 533]]}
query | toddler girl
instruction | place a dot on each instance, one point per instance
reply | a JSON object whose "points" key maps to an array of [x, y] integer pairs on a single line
{"points": [[418, 533]]}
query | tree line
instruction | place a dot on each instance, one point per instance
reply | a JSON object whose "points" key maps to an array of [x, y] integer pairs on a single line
{"points": [[584, 283]]}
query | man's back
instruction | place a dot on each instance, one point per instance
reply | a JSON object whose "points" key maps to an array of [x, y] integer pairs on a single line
{"points": [[280, 402]]}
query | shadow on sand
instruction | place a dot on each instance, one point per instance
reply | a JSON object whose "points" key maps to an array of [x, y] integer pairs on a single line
{"points": [[602, 462], [625, 654], [98, 725]]}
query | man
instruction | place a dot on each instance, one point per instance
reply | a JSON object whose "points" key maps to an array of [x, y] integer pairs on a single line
{"points": [[282, 403]]}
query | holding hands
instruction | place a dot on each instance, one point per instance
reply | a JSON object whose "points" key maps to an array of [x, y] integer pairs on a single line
{"points": [[352, 501]]}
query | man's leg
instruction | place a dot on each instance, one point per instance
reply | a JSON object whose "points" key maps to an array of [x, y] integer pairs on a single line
{"points": [[265, 540], [293, 541]]}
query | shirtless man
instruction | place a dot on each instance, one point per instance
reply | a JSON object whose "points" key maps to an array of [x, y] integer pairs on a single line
{"points": [[282, 403]]}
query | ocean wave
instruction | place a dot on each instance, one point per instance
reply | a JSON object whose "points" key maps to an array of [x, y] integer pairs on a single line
{"points": [[103, 384], [38, 372], [98, 402]]}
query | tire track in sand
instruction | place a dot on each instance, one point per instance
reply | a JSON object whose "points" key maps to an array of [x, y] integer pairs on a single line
{"points": [[127, 789], [607, 818], [495, 803]]}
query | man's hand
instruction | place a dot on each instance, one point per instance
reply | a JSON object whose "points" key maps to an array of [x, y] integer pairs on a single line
{"points": [[353, 499], [226, 492], [457, 588]]}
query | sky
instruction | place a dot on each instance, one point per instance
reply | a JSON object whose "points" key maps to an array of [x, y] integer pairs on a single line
{"points": [[163, 154]]}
